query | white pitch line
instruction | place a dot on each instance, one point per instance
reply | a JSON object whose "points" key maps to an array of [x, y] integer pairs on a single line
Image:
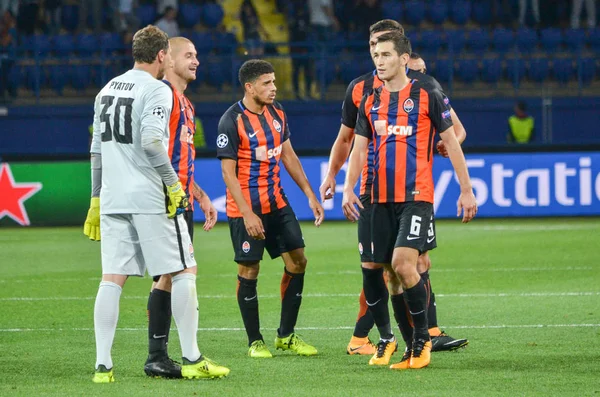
{"points": [[516, 228], [213, 329], [317, 295]]}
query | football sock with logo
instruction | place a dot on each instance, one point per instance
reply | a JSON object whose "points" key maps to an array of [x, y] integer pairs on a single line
{"points": [[184, 304], [159, 323], [431, 307], [248, 302], [106, 314], [292, 285], [377, 296], [402, 317], [416, 299], [365, 321]]}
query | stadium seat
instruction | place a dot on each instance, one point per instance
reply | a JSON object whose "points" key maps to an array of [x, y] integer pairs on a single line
{"points": [[69, 17], [515, 70], [414, 11], [527, 39], [482, 12], [594, 39], [86, 44], [350, 69], [147, 14], [59, 76], [491, 71], [41, 45], [431, 41], [216, 74], [203, 42], [415, 40], [443, 70], [467, 70], [438, 11], [460, 11], [563, 70], [574, 39], [479, 40], [81, 76], [539, 69], [587, 69], [212, 15], [324, 72], [190, 14], [456, 40], [551, 39], [111, 42], [64, 45], [392, 9], [503, 40]]}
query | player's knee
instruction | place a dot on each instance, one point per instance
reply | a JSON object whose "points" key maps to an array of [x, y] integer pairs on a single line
{"points": [[299, 264], [394, 284], [402, 266], [248, 270], [423, 263]]}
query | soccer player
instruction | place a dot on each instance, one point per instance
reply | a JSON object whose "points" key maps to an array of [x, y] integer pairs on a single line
{"points": [[360, 343], [401, 118], [182, 154], [138, 202], [253, 139]]}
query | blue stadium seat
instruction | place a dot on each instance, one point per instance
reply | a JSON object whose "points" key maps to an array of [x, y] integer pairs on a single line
{"points": [[491, 71], [81, 76], [527, 39], [70, 17], [551, 39], [460, 12], [414, 11], [217, 74], [482, 12], [438, 11], [503, 39], [203, 42], [350, 69], [468, 70], [563, 69], [64, 45], [574, 38], [539, 69], [392, 9], [41, 45], [479, 40], [443, 70], [212, 15], [456, 40], [190, 14], [147, 14], [59, 75], [587, 69], [86, 44], [324, 71], [594, 39], [431, 41], [415, 40], [111, 42], [515, 70]]}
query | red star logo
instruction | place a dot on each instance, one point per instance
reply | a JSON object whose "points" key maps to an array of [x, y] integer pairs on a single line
{"points": [[13, 195]]}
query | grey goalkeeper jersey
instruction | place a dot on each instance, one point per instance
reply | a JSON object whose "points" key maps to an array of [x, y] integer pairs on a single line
{"points": [[131, 108]]}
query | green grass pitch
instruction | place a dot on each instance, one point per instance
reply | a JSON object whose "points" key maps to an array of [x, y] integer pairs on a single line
{"points": [[525, 292]]}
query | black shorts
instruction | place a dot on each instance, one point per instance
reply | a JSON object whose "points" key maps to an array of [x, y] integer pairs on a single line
{"points": [[282, 234], [364, 229], [396, 225], [188, 216]]}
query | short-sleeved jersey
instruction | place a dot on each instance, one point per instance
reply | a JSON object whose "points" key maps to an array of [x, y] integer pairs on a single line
{"points": [[402, 126], [181, 142], [255, 141], [358, 88], [128, 105]]}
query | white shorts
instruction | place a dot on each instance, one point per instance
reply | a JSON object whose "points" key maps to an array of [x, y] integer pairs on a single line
{"points": [[134, 243]]}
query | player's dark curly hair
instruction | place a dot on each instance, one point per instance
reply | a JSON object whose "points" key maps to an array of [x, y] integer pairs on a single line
{"points": [[401, 42], [148, 42], [386, 25], [253, 69]]}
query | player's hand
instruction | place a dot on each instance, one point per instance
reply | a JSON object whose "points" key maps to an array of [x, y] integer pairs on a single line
{"points": [[254, 226], [210, 213], [317, 210], [468, 205], [178, 200], [348, 206], [327, 188], [91, 227], [441, 148]]}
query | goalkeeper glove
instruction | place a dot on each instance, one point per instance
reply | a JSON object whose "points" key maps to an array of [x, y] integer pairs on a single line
{"points": [[91, 227], [178, 200]]}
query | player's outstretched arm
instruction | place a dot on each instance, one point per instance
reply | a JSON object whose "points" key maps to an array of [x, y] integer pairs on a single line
{"points": [[358, 157], [253, 224], [466, 200], [339, 153], [294, 167], [210, 213], [459, 131]]}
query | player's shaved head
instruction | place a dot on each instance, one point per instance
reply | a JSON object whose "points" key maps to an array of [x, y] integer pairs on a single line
{"points": [[254, 68], [386, 25], [177, 44], [417, 63]]}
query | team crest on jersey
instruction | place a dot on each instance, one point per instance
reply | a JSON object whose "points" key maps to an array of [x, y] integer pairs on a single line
{"points": [[246, 247], [360, 248], [408, 105], [191, 248], [222, 141], [277, 125], [159, 112]]}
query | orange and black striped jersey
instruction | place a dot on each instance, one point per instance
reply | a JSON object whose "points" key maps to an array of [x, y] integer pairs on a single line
{"points": [[255, 141], [181, 140], [401, 126]]}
